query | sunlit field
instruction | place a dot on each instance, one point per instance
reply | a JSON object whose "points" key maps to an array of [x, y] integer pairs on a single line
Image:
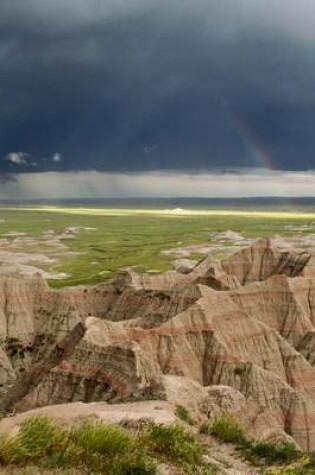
{"points": [[176, 212], [111, 239]]}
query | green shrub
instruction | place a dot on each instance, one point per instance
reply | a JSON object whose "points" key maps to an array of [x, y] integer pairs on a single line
{"points": [[173, 443], [183, 413], [135, 463], [310, 461], [226, 429], [273, 453]]}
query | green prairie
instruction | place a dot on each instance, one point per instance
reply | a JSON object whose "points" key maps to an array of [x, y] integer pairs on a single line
{"points": [[136, 237]]}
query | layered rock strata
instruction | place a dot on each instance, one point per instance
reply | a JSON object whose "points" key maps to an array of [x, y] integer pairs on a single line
{"points": [[231, 336]]}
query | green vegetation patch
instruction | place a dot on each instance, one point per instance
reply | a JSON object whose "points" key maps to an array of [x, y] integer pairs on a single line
{"points": [[183, 413], [111, 239], [98, 448], [174, 443], [226, 429], [273, 453], [293, 470]]}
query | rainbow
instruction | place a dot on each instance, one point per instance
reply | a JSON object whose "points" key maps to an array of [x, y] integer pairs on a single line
{"points": [[260, 156]]}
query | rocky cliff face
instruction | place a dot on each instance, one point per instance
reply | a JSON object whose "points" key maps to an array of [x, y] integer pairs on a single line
{"points": [[236, 335]]}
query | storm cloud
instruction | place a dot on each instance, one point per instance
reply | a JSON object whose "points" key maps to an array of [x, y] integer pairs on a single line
{"points": [[153, 85]]}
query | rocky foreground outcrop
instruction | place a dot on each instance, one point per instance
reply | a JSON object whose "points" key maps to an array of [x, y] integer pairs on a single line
{"points": [[231, 336]]}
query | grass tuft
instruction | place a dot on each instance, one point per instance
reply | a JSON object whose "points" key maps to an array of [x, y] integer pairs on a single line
{"points": [[36, 436], [173, 443], [226, 429], [183, 413], [95, 437]]}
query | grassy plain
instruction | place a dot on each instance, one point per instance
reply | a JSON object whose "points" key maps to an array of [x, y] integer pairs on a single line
{"points": [[136, 237]]}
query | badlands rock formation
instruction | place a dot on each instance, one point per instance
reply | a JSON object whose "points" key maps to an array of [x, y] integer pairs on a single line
{"points": [[232, 336]]}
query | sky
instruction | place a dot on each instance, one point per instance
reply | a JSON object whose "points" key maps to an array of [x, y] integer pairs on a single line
{"points": [[157, 98]]}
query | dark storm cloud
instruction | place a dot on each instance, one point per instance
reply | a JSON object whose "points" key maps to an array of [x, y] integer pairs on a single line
{"points": [[155, 85]]}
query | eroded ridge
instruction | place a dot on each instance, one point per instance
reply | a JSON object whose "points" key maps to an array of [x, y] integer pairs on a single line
{"points": [[235, 335]]}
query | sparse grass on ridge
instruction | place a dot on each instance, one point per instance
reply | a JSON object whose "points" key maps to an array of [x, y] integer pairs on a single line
{"points": [[99, 448], [94, 447], [227, 429], [273, 453]]}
